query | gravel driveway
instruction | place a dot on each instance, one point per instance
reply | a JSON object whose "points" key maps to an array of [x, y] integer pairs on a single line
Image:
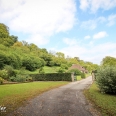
{"points": [[67, 100]]}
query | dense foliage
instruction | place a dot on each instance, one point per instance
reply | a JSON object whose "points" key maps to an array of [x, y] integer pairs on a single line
{"points": [[108, 61], [106, 79], [1, 81]]}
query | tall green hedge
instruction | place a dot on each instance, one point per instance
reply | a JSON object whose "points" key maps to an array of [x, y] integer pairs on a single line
{"points": [[52, 77]]}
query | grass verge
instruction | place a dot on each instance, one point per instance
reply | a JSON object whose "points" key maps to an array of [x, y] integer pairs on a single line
{"points": [[13, 96], [104, 102], [88, 74], [79, 78]]}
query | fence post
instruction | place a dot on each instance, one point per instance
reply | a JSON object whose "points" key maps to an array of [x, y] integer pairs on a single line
{"points": [[72, 76]]}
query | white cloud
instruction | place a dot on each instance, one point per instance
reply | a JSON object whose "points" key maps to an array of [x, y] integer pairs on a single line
{"points": [[69, 41], [93, 53], [41, 17], [37, 40], [87, 37], [95, 5], [99, 35], [84, 4], [111, 20], [92, 24]]}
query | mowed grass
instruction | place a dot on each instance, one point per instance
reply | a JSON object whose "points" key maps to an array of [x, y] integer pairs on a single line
{"points": [[79, 76], [51, 69], [88, 74], [47, 69], [104, 102], [14, 95]]}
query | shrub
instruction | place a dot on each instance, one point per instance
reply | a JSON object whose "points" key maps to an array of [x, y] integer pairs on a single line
{"points": [[13, 79], [64, 66], [10, 71], [20, 78], [61, 70], [41, 70], [29, 79], [3, 59], [32, 63], [1, 81], [4, 74], [76, 71], [83, 75], [106, 79]]}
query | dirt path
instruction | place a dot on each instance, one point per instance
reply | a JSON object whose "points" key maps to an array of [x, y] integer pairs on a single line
{"points": [[67, 100]]}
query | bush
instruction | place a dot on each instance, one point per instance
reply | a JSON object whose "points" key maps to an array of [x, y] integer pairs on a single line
{"points": [[61, 70], [64, 66], [32, 63], [83, 75], [76, 71], [20, 78], [29, 79], [1, 81], [4, 74], [41, 70], [10, 71], [106, 79], [3, 59], [13, 79]]}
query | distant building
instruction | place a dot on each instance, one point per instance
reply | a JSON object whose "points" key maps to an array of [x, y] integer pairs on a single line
{"points": [[79, 67]]}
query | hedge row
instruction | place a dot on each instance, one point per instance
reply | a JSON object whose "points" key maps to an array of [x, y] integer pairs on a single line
{"points": [[52, 77]]}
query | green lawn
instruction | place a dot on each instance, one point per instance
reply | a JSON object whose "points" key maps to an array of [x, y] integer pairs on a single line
{"points": [[14, 95], [47, 69], [51, 69], [88, 74], [79, 78], [104, 102]]}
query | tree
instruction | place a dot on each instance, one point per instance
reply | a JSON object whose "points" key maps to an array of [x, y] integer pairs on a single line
{"points": [[18, 44], [14, 38], [4, 31], [60, 55], [108, 60], [5, 38]]}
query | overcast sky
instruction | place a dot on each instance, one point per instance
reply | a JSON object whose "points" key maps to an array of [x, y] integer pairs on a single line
{"points": [[82, 28]]}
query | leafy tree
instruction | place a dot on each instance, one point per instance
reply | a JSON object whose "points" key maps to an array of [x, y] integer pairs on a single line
{"points": [[18, 44], [60, 55], [4, 31], [32, 63], [108, 60], [5, 38], [32, 47]]}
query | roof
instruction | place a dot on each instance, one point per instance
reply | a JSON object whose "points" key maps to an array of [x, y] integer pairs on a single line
{"points": [[79, 67]]}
